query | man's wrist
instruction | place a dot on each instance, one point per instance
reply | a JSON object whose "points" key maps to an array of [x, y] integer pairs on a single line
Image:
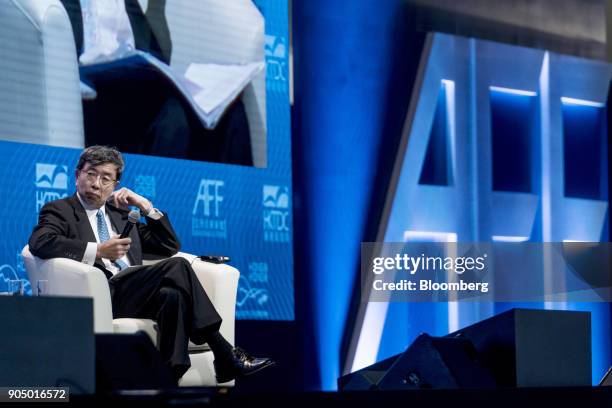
{"points": [[154, 214], [146, 208]]}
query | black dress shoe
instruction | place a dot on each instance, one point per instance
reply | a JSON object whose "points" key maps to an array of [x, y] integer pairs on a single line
{"points": [[239, 365]]}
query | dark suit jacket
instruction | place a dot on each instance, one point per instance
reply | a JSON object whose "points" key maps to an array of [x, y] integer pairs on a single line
{"points": [[63, 231], [151, 32]]}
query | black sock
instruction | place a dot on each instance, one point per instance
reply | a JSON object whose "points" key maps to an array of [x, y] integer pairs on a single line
{"points": [[179, 370], [220, 347]]}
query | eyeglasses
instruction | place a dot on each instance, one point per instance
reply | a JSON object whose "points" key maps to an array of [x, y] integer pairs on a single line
{"points": [[92, 176]]}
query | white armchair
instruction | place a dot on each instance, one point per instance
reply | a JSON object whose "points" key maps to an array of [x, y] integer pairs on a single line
{"points": [[40, 99], [66, 277]]}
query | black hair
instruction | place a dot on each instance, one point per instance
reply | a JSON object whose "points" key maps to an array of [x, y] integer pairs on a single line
{"points": [[96, 155]]}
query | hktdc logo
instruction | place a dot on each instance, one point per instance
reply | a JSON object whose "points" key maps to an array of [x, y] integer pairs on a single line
{"points": [[51, 183], [276, 58], [276, 220]]}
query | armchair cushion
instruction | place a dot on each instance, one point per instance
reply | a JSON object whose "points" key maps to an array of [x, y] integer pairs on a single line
{"points": [[128, 326]]}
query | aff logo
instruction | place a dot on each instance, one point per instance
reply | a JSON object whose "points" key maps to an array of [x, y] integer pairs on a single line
{"points": [[51, 183], [207, 220], [276, 212], [276, 58]]}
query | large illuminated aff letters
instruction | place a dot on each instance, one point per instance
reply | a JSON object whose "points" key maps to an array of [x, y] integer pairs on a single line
{"points": [[501, 143]]}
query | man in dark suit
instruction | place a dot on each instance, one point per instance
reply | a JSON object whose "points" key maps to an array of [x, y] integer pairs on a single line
{"points": [[139, 110], [84, 228]]}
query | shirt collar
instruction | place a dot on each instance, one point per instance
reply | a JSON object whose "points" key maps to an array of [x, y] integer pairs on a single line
{"points": [[89, 209]]}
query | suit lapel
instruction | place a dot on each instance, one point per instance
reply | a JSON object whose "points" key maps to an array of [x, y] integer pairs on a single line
{"points": [[145, 37], [84, 229], [118, 218], [73, 9], [142, 35], [82, 222]]}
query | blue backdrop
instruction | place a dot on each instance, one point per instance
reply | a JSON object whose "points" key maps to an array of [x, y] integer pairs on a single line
{"points": [[242, 212]]}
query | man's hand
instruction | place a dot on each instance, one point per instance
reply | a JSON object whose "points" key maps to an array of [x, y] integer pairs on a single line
{"points": [[125, 197], [114, 248]]}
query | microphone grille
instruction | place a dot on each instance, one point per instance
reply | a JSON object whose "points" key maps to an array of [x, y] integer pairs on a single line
{"points": [[134, 216]]}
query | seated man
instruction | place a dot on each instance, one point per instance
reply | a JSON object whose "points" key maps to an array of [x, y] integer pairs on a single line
{"points": [[137, 108], [84, 228]]}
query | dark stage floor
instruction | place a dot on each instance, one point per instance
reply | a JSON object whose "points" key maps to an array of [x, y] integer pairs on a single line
{"points": [[522, 397]]}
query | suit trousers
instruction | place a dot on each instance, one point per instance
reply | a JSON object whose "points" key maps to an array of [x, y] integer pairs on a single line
{"points": [[170, 293]]}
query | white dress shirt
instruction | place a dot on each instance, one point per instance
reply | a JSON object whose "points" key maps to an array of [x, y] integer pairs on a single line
{"points": [[107, 33]]}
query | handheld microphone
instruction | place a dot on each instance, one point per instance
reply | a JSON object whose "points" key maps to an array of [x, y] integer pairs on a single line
{"points": [[133, 218]]}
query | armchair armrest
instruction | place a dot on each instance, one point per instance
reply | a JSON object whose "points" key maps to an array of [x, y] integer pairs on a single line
{"points": [[66, 277]]}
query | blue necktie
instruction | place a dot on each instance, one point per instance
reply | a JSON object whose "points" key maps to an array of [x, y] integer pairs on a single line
{"points": [[105, 236]]}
